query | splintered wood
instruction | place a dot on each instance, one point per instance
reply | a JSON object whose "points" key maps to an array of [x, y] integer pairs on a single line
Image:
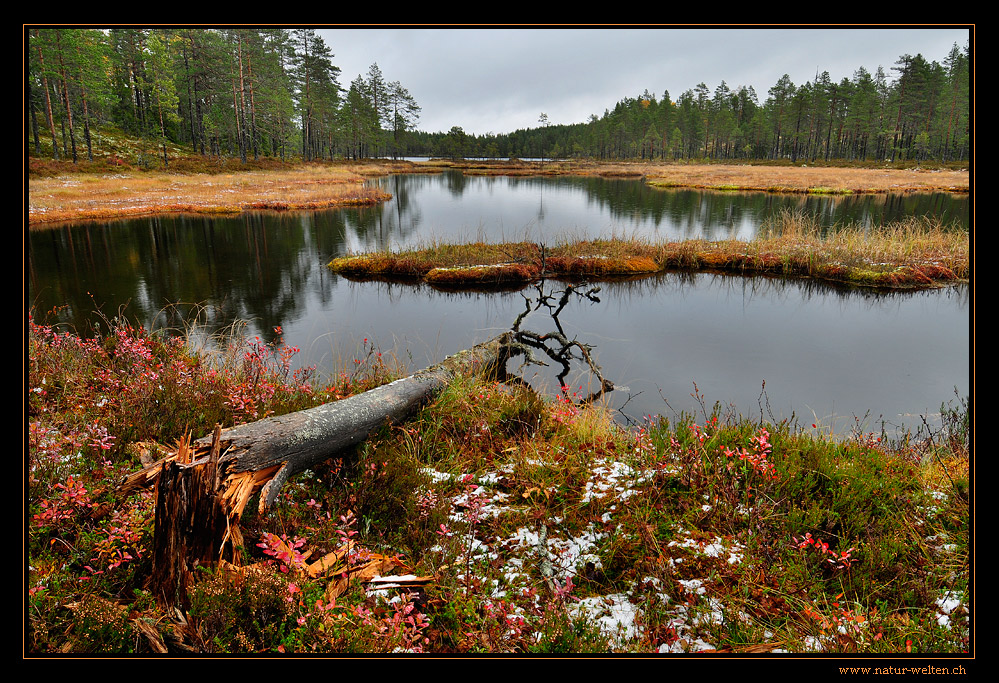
{"points": [[204, 487]]}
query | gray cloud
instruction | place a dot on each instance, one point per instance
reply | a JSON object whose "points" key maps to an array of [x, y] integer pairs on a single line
{"points": [[501, 79]]}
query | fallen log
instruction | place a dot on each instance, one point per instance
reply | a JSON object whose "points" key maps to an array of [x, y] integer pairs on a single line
{"points": [[298, 441], [203, 489]]}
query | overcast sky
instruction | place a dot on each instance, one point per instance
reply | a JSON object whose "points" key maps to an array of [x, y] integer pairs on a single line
{"points": [[496, 80]]}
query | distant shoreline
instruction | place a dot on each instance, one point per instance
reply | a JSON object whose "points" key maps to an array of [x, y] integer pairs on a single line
{"points": [[93, 192]]}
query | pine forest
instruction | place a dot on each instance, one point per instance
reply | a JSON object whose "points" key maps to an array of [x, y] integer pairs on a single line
{"points": [[249, 93]]}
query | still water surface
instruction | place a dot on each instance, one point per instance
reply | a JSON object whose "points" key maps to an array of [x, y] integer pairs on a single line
{"points": [[454, 207], [820, 353]]}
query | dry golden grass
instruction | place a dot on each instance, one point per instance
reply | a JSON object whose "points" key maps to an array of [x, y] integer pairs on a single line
{"points": [[415, 264], [103, 196], [910, 253], [763, 177], [108, 196], [806, 179], [914, 242]]}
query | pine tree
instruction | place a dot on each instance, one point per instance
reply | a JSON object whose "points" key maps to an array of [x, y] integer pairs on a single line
{"points": [[161, 87], [405, 113]]}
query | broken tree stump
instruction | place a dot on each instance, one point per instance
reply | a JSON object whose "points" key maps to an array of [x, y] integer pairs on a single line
{"points": [[197, 524], [202, 491]]}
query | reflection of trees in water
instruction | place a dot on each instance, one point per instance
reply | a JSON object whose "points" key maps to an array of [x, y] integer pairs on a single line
{"points": [[263, 266], [773, 288], [455, 182], [631, 204], [696, 213], [158, 270], [372, 228]]}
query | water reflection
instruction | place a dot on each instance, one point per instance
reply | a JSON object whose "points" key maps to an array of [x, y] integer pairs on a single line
{"points": [[456, 207], [821, 354], [245, 267], [836, 352]]}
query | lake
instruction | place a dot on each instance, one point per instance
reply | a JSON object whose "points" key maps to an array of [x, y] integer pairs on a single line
{"points": [[454, 207], [761, 345]]}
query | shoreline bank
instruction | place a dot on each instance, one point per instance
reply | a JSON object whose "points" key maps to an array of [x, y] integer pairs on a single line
{"points": [[95, 195]]}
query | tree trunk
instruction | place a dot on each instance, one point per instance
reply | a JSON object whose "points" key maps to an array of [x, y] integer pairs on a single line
{"points": [[202, 491], [192, 524], [48, 101], [65, 97], [299, 441]]}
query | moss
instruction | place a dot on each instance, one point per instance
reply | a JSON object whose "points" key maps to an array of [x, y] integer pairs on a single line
{"points": [[898, 255], [482, 275], [372, 266], [828, 190]]}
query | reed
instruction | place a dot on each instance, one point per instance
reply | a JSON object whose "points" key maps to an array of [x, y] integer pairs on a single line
{"points": [[918, 245], [909, 253]]}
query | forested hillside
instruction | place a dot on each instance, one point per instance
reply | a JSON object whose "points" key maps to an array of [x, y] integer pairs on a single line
{"points": [[236, 92], [249, 93]]}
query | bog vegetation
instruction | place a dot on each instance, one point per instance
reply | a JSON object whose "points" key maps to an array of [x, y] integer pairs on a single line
{"points": [[497, 520], [909, 253]]}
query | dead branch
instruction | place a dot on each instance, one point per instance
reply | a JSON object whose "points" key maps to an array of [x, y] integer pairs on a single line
{"points": [[561, 350]]}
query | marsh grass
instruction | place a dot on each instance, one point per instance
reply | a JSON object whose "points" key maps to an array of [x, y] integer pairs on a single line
{"points": [[911, 253], [127, 193], [117, 185], [808, 179], [469, 262], [912, 241], [541, 524]]}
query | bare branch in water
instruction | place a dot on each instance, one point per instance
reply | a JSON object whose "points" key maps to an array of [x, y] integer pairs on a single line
{"points": [[556, 345]]}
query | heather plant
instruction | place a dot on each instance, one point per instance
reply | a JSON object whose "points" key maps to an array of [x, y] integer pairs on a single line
{"points": [[242, 611], [535, 524], [90, 401], [398, 628], [128, 386]]}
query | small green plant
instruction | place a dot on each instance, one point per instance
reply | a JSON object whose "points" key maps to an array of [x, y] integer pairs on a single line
{"points": [[530, 524]]}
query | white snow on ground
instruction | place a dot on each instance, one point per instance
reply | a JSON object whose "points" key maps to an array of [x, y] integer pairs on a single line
{"points": [[690, 612], [614, 614], [617, 615], [615, 477], [946, 606]]}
